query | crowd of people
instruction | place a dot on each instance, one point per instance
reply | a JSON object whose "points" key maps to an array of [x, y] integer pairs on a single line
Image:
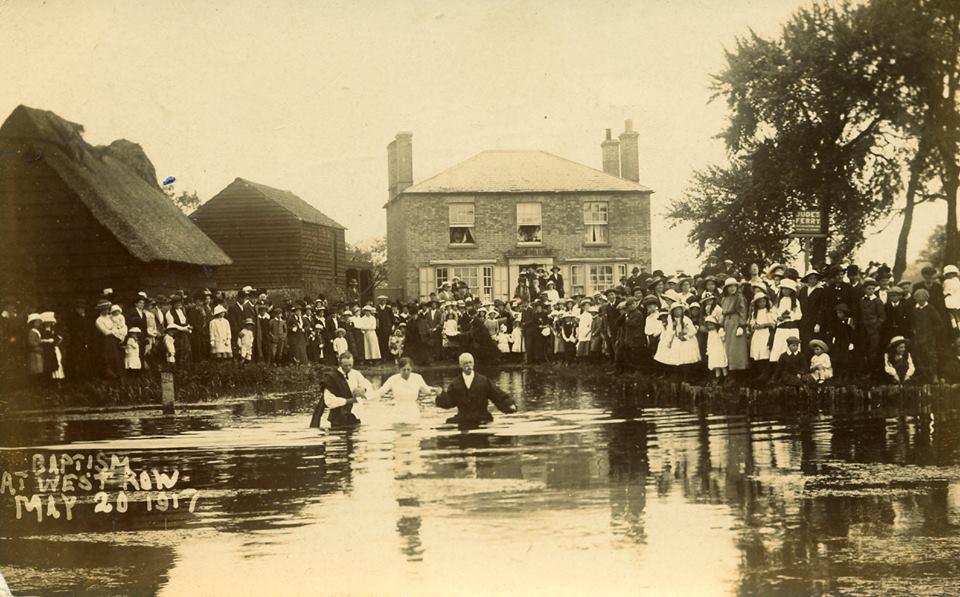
{"points": [[759, 326]]}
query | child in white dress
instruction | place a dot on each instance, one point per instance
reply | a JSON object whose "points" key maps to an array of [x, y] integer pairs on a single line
{"points": [[716, 352], [340, 342], [678, 343], [245, 341], [131, 350], [761, 324], [504, 340]]}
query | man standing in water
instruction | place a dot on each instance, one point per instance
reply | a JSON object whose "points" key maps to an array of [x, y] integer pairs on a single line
{"points": [[341, 390], [469, 394]]}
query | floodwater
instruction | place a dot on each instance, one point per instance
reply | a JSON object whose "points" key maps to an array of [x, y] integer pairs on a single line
{"points": [[588, 489]]}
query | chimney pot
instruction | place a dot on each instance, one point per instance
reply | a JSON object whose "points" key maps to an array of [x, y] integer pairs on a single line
{"points": [[609, 134], [628, 125]]}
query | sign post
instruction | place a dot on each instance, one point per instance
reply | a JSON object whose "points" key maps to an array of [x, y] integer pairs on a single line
{"points": [[807, 225]]}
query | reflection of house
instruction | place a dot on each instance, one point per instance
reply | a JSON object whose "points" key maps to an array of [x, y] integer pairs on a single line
{"points": [[276, 240], [489, 217], [75, 219]]}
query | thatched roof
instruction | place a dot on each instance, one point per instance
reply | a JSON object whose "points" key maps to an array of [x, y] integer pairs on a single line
{"points": [[117, 183]]}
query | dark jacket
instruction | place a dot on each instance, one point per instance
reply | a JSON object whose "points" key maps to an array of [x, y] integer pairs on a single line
{"points": [[790, 368], [471, 404], [899, 320], [632, 331], [338, 386]]}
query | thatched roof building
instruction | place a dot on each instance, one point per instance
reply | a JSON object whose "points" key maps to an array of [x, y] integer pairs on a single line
{"points": [[75, 218]]}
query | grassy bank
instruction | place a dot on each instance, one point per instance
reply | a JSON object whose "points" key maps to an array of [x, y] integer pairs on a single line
{"points": [[212, 380]]}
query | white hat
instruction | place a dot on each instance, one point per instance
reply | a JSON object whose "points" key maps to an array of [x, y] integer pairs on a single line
{"points": [[108, 291], [731, 281], [142, 295], [950, 269], [33, 317], [219, 309], [134, 329], [115, 308], [48, 317], [247, 289], [788, 283]]}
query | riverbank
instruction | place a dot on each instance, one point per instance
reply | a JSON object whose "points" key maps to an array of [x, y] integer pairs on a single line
{"points": [[209, 381]]}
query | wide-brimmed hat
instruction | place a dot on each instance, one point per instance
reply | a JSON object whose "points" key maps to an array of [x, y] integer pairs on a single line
{"points": [[103, 304], [823, 345], [115, 309], [248, 321], [555, 268], [774, 267], [247, 289], [707, 296], [950, 269], [693, 305], [897, 340], [48, 317], [220, 309], [812, 272], [760, 296], [731, 281], [788, 283], [383, 297], [369, 308], [134, 330]]}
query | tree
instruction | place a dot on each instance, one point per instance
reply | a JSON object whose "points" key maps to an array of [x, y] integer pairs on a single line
{"points": [[186, 201], [811, 126], [933, 253], [374, 252]]}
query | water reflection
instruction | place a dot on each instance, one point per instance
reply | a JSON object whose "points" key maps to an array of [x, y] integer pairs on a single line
{"points": [[593, 486]]}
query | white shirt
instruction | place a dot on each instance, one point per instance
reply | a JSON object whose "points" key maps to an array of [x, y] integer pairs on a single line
{"points": [[468, 379], [355, 380], [405, 394]]}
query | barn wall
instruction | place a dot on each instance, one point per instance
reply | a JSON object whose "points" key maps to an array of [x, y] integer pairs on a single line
{"points": [[261, 238]]}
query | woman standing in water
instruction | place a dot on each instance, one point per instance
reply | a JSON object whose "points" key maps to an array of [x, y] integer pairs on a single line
{"points": [[405, 386]]}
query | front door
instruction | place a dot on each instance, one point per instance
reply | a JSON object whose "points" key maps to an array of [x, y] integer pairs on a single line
{"points": [[525, 263]]}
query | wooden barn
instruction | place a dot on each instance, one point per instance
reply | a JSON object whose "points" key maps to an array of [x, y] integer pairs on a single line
{"points": [[75, 219], [277, 241]]}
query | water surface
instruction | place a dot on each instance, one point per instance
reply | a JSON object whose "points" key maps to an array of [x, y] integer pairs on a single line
{"points": [[588, 489]]}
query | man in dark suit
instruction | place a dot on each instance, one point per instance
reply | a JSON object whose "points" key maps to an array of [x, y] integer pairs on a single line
{"points": [[557, 279], [386, 321], [899, 314], [434, 320], [341, 389], [469, 394], [632, 341]]}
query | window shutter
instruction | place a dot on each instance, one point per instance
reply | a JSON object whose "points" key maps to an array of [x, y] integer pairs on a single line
{"points": [[500, 288], [427, 282]]}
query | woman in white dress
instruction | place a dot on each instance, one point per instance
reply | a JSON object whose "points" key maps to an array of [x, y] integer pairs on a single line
{"points": [[678, 343], [405, 387], [367, 323]]}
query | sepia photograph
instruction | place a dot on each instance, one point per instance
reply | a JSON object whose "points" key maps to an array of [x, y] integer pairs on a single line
{"points": [[479, 297]]}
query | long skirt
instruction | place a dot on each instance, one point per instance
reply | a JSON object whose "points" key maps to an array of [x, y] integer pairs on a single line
{"points": [[738, 349], [760, 344], [371, 345]]}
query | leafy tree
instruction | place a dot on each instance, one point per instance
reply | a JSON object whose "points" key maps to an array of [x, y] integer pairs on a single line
{"points": [[811, 126], [375, 253], [186, 201], [934, 251]]}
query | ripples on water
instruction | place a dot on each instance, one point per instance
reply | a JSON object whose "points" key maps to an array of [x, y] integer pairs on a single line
{"points": [[587, 489]]}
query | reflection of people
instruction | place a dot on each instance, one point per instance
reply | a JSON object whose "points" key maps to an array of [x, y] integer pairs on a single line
{"points": [[405, 386], [469, 394], [341, 390]]}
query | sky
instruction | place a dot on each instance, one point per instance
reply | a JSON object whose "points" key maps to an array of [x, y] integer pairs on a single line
{"points": [[305, 96]]}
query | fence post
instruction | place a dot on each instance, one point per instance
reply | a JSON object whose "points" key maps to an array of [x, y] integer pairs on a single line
{"points": [[167, 391]]}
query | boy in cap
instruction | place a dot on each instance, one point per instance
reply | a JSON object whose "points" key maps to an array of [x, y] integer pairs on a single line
{"points": [[791, 366]]}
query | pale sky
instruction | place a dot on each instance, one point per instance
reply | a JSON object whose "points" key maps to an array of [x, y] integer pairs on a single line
{"points": [[305, 95]]}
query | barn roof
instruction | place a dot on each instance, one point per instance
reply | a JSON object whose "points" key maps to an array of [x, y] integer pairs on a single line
{"points": [[290, 202], [117, 183], [514, 171]]}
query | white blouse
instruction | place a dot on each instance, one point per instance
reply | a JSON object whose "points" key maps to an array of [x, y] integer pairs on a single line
{"points": [[405, 393]]}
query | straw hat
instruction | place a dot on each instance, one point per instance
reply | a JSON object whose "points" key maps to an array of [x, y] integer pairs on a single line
{"points": [[219, 309], [731, 281], [788, 283], [823, 345], [33, 317], [897, 340]]}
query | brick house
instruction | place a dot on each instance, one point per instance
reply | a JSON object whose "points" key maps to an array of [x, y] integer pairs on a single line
{"points": [[488, 217]]}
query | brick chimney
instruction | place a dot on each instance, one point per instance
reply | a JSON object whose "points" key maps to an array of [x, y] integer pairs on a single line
{"points": [[400, 164], [629, 153], [611, 155]]}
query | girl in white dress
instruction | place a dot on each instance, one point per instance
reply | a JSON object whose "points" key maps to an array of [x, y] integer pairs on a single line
{"points": [[716, 351], [405, 387], [678, 342], [787, 315], [761, 324]]}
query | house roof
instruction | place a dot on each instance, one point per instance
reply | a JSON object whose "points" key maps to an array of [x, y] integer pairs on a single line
{"points": [[117, 183], [292, 203], [514, 171]]}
